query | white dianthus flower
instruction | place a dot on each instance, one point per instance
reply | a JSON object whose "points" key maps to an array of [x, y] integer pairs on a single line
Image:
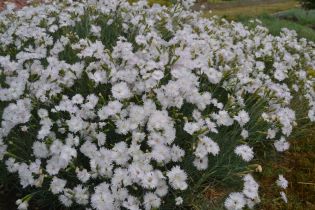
{"points": [[245, 152], [281, 145], [284, 197], [57, 185], [271, 133], [250, 189], [42, 113], [177, 178], [112, 108], [65, 200], [282, 182], [177, 153], [206, 146], [77, 99], [178, 201], [102, 197], [83, 175], [223, 118], [191, 128], [40, 149], [235, 201], [201, 163], [242, 118], [22, 205], [244, 134], [151, 201], [121, 91], [81, 195], [76, 124]]}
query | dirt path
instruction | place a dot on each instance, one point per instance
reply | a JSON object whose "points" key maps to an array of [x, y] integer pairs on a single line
{"points": [[228, 4]]}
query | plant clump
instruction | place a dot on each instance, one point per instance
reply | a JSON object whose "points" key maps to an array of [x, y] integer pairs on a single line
{"points": [[109, 104]]}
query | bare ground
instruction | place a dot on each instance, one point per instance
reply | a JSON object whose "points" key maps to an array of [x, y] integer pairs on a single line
{"points": [[204, 5]]}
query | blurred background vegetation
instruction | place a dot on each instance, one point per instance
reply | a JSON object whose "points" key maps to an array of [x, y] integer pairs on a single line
{"points": [[274, 14]]}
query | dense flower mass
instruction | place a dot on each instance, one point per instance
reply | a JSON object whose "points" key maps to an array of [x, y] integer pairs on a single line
{"points": [[110, 105]]}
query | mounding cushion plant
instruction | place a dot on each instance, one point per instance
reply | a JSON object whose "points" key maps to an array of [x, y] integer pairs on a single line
{"points": [[115, 105]]}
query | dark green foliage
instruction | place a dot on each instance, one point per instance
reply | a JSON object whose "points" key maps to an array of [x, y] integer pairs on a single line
{"points": [[308, 4]]}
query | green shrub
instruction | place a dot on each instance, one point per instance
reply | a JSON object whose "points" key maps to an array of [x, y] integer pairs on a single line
{"points": [[308, 4]]}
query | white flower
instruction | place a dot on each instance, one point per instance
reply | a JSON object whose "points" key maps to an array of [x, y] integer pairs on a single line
{"points": [[16, 113], [284, 197], [235, 201], [92, 101], [245, 152], [281, 145], [250, 189], [57, 185], [213, 75], [101, 138], [42, 113], [22, 205], [149, 180], [244, 134], [77, 99], [223, 118], [271, 133], [201, 163], [96, 30], [151, 201], [157, 75], [81, 195], [282, 182], [121, 91], [177, 153], [112, 108], [242, 118], [177, 178], [178, 201], [65, 200], [76, 124], [191, 128], [120, 153], [40, 150], [206, 146], [131, 203], [83, 175], [102, 197]]}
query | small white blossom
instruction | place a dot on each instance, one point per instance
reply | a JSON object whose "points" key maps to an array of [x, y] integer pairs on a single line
{"points": [[235, 201], [121, 91], [282, 182], [178, 201], [284, 197], [245, 152], [177, 178]]}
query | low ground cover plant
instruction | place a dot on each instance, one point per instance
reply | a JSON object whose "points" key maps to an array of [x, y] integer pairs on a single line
{"points": [[117, 105]]}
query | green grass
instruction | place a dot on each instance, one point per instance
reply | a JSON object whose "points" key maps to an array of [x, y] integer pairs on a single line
{"points": [[275, 24], [301, 16], [274, 16]]}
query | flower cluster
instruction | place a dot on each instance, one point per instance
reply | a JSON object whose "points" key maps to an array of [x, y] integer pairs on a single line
{"points": [[118, 101]]}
